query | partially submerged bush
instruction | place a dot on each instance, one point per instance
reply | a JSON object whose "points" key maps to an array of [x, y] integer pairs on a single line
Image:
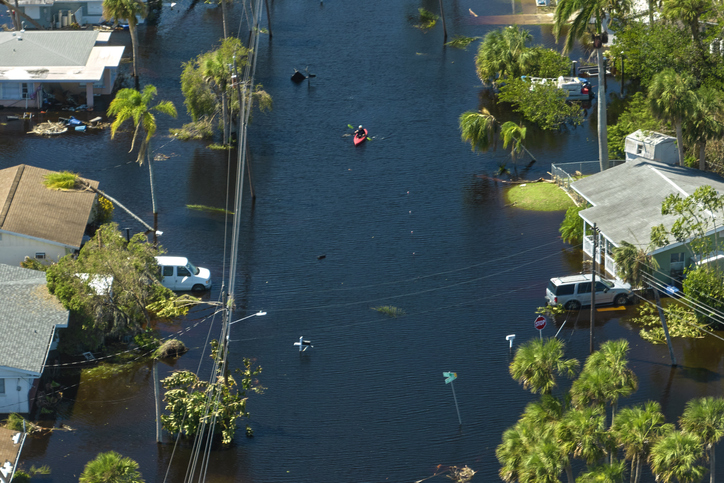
{"points": [[170, 348]]}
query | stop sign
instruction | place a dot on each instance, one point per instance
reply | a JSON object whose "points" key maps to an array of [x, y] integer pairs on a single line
{"points": [[539, 322]]}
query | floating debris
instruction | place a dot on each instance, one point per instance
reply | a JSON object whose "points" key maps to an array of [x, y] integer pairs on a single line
{"points": [[49, 128]]}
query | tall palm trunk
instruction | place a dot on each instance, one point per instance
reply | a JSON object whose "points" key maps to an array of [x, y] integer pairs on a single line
{"points": [[224, 116], [602, 128], [134, 46], [702, 155], [680, 140], [223, 17], [712, 457]]}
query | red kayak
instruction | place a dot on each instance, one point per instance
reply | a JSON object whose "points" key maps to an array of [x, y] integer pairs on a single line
{"points": [[359, 139]]}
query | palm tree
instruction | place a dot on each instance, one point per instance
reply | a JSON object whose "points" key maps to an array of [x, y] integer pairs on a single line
{"points": [[503, 54], [134, 105], [705, 417], [672, 99], [674, 457], [605, 377], [636, 429], [514, 449], [580, 13], [111, 467], [216, 73], [607, 473], [634, 265], [689, 12], [479, 128], [514, 134], [705, 122], [128, 10], [582, 433], [537, 362]]}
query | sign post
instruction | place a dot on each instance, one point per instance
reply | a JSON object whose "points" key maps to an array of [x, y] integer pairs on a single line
{"points": [[449, 378], [540, 323]]}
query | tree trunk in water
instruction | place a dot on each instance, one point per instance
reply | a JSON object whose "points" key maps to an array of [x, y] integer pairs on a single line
{"points": [[153, 199], [134, 45], [569, 472], [712, 457], [223, 16], [602, 128], [224, 116], [680, 141], [444, 27], [268, 17], [702, 156], [663, 324]]}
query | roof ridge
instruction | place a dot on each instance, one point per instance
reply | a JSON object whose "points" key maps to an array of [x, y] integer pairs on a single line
{"points": [[11, 193]]}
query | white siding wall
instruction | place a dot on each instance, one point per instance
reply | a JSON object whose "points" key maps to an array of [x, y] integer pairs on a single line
{"points": [[14, 249], [15, 397]]}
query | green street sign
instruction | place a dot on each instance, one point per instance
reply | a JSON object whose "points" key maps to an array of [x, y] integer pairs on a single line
{"points": [[450, 376]]}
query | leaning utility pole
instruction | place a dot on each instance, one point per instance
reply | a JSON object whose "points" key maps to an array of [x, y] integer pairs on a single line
{"points": [[593, 286]]}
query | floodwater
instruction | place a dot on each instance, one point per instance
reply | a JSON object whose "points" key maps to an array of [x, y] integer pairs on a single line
{"points": [[410, 219]]}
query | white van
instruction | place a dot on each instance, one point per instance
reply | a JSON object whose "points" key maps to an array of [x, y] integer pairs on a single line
{"points": [[177, 273]]}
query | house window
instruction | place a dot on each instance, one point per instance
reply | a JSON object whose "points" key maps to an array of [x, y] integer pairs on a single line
{"points": [[2, 387], [677, 264], [24, 89], [639, 148], [40, 255]]}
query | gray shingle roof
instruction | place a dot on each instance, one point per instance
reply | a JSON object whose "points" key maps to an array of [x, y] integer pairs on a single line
{"points": [[627, 198], [27, 207], [46, 48], [28, 314]]}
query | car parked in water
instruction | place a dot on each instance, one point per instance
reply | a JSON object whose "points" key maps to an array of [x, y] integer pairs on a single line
{"points": [[574, 291], [177, 273]]}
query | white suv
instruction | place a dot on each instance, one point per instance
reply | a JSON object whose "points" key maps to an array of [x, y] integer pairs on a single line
{"points": [[574, 291]]}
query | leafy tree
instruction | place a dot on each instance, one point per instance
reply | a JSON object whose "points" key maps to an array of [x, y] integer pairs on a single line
{"points": [[637, 115], [705, 417], [571, 229], [128, 10], [582, 433], [705, 285], [651, 48], [674, 457], [546, 105], [188, 401], [135, 285], [636, 429], [543, 62], [673, 100], [537, 362], [111, 467], [694, 222]]}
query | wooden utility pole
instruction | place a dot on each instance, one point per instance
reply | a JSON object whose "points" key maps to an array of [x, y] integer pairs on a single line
{"points": [[157, 394]]}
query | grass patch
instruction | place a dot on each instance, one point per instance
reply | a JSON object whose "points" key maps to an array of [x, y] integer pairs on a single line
{"points": [[210, 209], [389, 310], [539, 197], [103, 371], [219, 147], [426, 20]]}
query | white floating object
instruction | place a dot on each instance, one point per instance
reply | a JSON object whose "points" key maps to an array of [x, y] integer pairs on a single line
{"points": [[303, 344], [510, 338]]}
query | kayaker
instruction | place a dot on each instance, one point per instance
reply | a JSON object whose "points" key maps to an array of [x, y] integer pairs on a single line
{"points": [[359, 132]]}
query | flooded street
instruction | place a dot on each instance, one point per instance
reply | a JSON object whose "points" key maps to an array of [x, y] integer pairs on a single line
{"points": [[407, 220]]}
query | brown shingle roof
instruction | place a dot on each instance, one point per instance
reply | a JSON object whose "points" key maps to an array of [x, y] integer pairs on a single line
{"points": [[27, 207]]}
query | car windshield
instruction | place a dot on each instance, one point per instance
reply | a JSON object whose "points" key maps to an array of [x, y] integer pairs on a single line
{"points": [[191, 268], [608, 283]]}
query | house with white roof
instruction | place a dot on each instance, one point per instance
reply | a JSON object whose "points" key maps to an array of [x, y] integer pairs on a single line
{"points": [[29, 317], [35, 63], [37, 222], [626, 204]]}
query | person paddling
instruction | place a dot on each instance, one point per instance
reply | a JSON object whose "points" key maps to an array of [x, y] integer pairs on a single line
{"points": [[360, 132]]}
